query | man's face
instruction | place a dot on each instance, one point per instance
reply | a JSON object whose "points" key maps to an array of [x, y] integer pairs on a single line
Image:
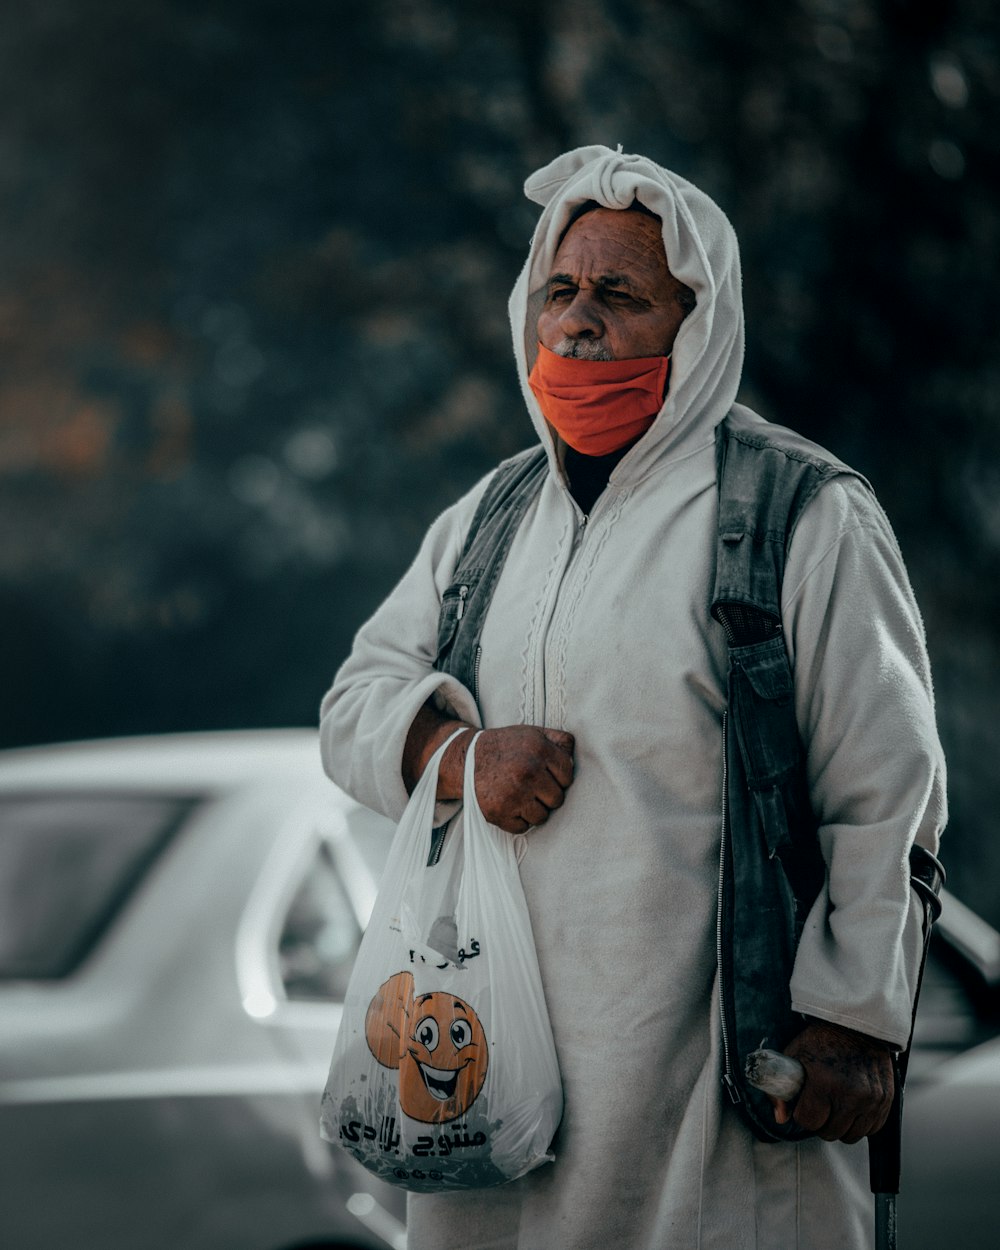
{"points": [[610, 295]]}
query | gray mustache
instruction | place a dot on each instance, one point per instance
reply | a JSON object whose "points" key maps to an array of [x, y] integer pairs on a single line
{"points": [[583, 349]]}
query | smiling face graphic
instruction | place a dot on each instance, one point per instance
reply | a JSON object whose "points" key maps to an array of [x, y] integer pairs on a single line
{"points": [[437, 1043]]}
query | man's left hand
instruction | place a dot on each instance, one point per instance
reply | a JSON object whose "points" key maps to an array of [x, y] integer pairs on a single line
{"points": [[849, 1083]]}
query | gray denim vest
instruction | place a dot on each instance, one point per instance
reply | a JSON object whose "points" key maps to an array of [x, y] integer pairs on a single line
{"points": [[771, 869], [466, 601]]}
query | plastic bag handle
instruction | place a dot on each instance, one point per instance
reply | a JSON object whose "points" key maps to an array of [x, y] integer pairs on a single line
{"points": [[469, 798], [434, 763]]}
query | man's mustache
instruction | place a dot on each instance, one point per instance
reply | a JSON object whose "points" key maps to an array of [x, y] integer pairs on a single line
{"points": [[583, 349]]}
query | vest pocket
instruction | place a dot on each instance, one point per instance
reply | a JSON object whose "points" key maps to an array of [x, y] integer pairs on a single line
{"points": [[762, 702], [768, 733], [452, 610]]}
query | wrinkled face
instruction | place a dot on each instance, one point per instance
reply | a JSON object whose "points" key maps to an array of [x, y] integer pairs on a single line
{"points": [[438, 1044], [610, 295]]}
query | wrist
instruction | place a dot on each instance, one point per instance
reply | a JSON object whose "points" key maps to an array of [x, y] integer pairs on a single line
{"points": [[429, 730], [854, 1034], [451, 771]]}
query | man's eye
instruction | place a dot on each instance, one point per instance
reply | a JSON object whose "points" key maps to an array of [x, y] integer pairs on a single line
{"points": [[619, 297], [561, 293]]}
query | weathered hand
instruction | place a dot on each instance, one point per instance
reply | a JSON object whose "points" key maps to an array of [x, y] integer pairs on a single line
{"points": [[522, 774], [522, 771], [849, 1083]]}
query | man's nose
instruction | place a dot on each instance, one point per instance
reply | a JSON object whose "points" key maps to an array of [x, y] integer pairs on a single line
{"points": [[581, 318]]}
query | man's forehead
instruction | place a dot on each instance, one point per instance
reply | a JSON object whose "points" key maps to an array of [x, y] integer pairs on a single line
{"points": [[614, 241]]}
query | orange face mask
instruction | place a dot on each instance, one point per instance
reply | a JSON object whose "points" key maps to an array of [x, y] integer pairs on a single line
{"points": [[599, 406]]}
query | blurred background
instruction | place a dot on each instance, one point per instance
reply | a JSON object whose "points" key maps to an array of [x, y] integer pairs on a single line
{"points": [[254, 263]]}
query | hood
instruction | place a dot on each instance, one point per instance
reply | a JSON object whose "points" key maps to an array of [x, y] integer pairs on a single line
{"points": [[701, 248]]}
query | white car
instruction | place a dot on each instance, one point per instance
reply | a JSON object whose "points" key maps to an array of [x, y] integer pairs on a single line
{"points": [[951, 1113], [178, 919]]}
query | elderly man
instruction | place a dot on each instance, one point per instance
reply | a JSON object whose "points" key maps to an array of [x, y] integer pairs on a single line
{"points": [[600, 677]]}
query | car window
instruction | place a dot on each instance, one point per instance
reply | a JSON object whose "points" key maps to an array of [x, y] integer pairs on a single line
{"points": [[67, 864], [320, 935]]}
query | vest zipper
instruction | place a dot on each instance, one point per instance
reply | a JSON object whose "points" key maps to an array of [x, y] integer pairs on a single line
{"points": [[727, 1062], [475, 674], [463, 594], [437, 845]]}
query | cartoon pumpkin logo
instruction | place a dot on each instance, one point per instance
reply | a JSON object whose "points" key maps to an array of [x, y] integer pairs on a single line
{"points": [[437, 1043]]}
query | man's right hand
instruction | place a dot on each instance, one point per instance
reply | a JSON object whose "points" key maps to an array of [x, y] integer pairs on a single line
{"points": [[522, 771]]}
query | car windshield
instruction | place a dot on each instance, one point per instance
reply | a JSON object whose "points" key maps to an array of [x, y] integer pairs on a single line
{"points": [[67, 864]]}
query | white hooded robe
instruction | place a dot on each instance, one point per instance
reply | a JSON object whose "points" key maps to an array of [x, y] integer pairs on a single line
{"points": [[601, 626]]}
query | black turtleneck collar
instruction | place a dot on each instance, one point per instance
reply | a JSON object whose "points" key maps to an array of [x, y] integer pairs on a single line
{"points": [[587, 476]]}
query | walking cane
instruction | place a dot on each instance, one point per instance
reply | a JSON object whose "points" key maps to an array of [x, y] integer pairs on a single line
{"points": [[884, 1151], [782, 1077]]}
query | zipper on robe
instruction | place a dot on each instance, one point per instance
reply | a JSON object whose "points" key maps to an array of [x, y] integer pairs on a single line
{"points": [[727, 1059], [537, 672]]}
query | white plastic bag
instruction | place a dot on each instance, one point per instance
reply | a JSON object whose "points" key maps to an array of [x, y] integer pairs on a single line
{"points": [[444, 1073]]}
